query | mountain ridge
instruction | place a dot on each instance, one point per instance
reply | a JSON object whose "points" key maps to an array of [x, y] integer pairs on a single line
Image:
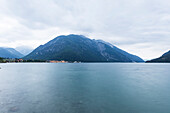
{"points": [[6, 52], [165, 58], [80, 48]]}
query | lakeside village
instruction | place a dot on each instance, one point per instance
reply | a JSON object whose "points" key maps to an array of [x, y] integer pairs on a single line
{"points": [[15, 60]]}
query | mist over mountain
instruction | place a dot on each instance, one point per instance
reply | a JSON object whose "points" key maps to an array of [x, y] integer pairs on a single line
{"points": [[80, 48], [25, 50], [10, 53], [164, 58]]}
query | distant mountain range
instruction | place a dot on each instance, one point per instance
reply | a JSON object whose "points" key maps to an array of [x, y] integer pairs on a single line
{"points": [[80, 48], [165, 58], [9, 53]]}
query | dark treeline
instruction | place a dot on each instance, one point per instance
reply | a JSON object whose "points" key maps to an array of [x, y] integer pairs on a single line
{"points": [[15, 60], [1, 60]]}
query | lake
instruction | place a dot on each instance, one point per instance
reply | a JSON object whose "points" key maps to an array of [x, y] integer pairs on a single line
{"points": [[84, 88]]}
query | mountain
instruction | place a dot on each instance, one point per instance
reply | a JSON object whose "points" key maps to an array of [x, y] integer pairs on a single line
{"points": [[80, 48], [25, 50], [134, 58], [164, 58], [9, 53]]}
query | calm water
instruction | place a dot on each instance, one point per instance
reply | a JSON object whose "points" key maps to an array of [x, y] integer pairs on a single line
{"points": [[85, 88]]}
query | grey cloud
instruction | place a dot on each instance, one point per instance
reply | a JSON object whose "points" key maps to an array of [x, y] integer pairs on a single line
{"points": [[130, 24]]}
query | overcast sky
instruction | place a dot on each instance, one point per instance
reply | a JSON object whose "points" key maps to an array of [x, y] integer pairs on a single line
{"points": [[141, 27]]}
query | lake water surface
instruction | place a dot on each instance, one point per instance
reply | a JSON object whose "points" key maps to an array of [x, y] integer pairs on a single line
{"points": [[84, 88]]}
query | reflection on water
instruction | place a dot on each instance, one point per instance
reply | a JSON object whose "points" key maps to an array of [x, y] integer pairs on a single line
{"points": [[85, 88]]}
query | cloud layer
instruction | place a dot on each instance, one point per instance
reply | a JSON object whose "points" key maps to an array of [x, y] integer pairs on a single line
{"points": [[140, 27]]}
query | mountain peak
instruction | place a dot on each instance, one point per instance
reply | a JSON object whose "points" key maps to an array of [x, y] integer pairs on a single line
{"points": [[80, 48]]}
